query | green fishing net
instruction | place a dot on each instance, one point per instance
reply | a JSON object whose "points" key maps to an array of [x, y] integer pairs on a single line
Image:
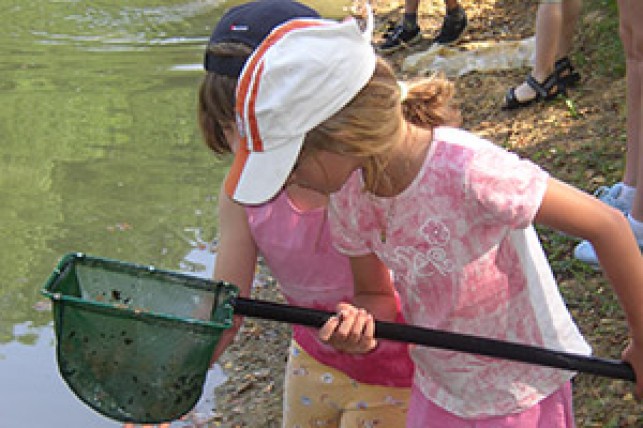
{"points": [[134, 342]]}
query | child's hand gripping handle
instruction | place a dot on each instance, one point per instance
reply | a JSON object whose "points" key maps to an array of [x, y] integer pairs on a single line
{"points": [[443, 340]]}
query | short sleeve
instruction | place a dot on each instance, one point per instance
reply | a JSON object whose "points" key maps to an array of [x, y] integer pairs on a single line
{"points": [[509, 189]]}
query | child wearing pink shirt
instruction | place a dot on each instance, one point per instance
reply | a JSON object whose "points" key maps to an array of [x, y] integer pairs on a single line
{"points": [[449, 213], [323, 387]]}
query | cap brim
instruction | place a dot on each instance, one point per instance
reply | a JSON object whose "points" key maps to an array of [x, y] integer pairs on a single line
{"points": [[256, 177]]}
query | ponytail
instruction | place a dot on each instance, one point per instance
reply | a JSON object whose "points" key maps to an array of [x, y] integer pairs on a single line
{"points": [[427, 102]]}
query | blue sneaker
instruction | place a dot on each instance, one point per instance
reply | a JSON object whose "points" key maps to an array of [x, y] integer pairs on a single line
{"points": [[585, 253], [610, 195]]}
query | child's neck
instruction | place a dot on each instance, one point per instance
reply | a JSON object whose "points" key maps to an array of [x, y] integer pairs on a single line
{"points": [[405, 161], [305, 199]]}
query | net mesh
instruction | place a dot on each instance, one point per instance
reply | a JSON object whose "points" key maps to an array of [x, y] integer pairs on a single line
{"points": [[134, 342]]}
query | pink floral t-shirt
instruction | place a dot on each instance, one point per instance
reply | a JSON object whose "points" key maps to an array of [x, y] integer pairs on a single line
{"points": [[466, 259]]}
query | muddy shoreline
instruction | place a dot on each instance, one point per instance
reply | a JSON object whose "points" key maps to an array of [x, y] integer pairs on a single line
{"points": [[255, 365]]}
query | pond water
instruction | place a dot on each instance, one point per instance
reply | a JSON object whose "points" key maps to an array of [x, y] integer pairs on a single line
{"points": [[99, 153]]}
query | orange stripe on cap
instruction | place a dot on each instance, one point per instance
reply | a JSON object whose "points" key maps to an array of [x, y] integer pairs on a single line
{"points": [[257, 143], [246, 79], [234, 174]]}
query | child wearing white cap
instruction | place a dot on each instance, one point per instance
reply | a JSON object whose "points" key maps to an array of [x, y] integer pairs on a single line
{"points": [[449, 213], [323, 387]]}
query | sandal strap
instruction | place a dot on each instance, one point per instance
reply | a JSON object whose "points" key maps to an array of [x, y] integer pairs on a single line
{"points": [[543, 89], [563, 64], [567, 74]]}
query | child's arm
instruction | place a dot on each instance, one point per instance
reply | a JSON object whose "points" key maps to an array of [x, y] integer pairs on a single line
{"points": [[352, 330], [373, 286], [571, 211], [236, 258]]}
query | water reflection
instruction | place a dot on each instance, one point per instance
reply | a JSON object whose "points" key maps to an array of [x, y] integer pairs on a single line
{"points": [[37, 396], [99, 153]]}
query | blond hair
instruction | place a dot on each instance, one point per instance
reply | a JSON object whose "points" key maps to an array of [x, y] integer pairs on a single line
{"points": [[370, 125]]}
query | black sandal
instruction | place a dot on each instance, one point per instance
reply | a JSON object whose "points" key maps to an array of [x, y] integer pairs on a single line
{"points": [[566, 73], [545, 91]]}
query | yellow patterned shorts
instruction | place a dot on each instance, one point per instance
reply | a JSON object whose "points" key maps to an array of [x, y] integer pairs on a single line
{"points": [[319, 396]]}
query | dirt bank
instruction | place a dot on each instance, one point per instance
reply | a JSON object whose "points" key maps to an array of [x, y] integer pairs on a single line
{"points": [[583, 146]]}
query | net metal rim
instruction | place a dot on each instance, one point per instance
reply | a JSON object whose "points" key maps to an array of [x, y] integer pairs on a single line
{"points": [[123, 310]]}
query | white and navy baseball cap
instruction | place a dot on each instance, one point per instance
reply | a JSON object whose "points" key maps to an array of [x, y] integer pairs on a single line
{"points": [[303, 73]]}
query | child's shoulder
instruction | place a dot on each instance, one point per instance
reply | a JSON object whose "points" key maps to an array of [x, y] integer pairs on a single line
{"points": [[462, 149], [453, 135]]}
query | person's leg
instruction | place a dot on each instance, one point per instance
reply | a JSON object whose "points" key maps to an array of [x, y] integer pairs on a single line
{"points": [[632, 37], [634, 153], [410, 18], [451, 4], [549, 20], [376, 413], [406, 32], [570, 13], [567, 75], [627, 195], [319, 395], [630, 14], [307, 400], [633, 91], [375, 406], [621, 195], [453, 25], [411, 6], [632, 123]]}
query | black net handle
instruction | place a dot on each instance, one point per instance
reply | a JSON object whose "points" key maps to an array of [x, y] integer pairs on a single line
{"points": [[444, 340]]}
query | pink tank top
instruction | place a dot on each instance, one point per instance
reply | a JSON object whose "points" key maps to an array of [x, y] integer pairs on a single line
{"points": [[297, 247]]}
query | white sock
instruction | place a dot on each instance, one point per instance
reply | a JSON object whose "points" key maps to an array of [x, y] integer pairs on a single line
{"points": [[627, 194], [637, 228]]}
